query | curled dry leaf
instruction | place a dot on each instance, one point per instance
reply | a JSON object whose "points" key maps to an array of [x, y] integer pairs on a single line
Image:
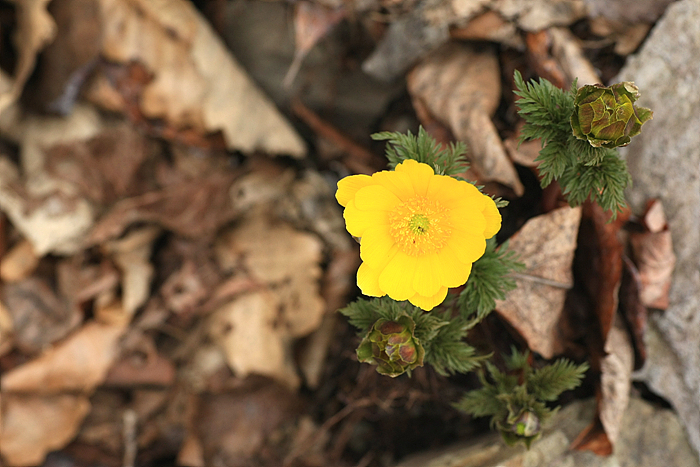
{"points": [[79, 363], [536, 15], [104, 168], [568, 52], [40, 316], [489, 26], [653, 253], [612, 394], [133, 256], [615, 379], [256, 330], [545, 244], [35, 28], [654, 256], [312, 21], [48, 211], [33, 426], [196, 83], [193, 208], [460, 85], [538, 47], [627, 36]]}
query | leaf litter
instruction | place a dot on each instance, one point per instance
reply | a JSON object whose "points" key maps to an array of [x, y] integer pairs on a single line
{"points": [[168, 287]]}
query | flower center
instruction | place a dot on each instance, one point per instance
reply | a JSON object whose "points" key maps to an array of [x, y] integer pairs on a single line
{"points": [[420, 226]]}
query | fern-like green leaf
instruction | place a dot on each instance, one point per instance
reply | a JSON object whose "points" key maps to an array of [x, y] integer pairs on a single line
{"points": [[490, 280], [423, 148], [548, 382]]}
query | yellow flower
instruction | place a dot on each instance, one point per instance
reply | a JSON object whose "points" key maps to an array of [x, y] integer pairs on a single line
{"points": [[420, 232]]}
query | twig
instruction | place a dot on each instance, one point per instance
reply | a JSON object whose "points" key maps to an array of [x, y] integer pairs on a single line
{"points": [[358, 158], [130, 447], [327, 425]]}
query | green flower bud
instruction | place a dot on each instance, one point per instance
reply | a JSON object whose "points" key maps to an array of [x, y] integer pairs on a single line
{"points": [[392, 346], [523, 427], [607, 116]]}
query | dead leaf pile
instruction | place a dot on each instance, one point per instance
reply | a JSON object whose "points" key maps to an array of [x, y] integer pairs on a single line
{"points": [[168, 283]]}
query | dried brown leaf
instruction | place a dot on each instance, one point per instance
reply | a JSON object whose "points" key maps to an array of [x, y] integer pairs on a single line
{"points": [[196, 83], [6, 333], [615, 379], [600, 262], [48, 211], [567, 51], [255, 331], [460, 85], [312, 21], [194, 208], [654, 219], [79, 363], [593, 438], [33, 426], [35, 28], [234, 427], [653, 253], [18, 263], [252, 340], [536, 15], [538, 47], [545, 244], [489, 26], [633, 311], [67, 61], [133, 256], [137, 370], [40, 317], [284, 259], [104, 168]]}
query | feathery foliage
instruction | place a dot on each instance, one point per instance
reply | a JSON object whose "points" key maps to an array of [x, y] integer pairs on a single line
{"points": [[583, 171], [447, 352], [516, 399], [423, 148], [440, 334], [490, 280]]}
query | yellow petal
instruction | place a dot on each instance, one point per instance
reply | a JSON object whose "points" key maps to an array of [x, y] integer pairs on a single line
{"points": [[447, 190], [357, 222], [375, 198], [348, 186], [368, 281], [396, 182], [451, 271], [467, 246], [493, 219], [425, 281], [376, 245], [419, 173], [474, 195], [427, 303], [397, 277], [467, 218]]}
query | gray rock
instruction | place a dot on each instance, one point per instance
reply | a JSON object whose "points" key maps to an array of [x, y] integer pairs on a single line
{"points": [[649, 437], [665, 163]]}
